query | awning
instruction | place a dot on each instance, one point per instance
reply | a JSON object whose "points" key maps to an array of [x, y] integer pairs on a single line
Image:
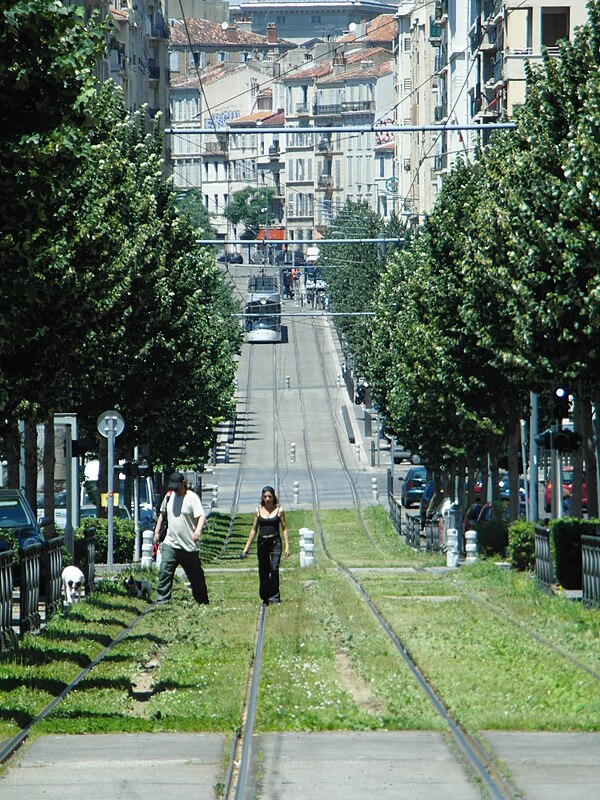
{"points": [[273, 235]]}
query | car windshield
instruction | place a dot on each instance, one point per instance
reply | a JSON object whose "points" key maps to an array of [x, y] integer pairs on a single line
{"points": [[12, 514]]}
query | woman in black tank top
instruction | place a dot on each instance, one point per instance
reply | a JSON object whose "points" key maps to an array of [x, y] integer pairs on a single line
{"points": [[269, 518]]}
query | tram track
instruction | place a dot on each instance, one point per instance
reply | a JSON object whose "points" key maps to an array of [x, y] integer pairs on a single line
{"points": [[476, 759]]}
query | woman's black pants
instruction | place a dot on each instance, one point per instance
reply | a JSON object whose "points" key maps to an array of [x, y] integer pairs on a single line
{"points": [[269, 556]]}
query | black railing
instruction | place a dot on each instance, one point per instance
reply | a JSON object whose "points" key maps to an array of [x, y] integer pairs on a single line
{"points": [[432, 536], [393, 504], [29, 589], [357, 105], [412, 532], [53, 572], [544, 570], [7, 634], [590, 555], [89, 560], [349, 381]]}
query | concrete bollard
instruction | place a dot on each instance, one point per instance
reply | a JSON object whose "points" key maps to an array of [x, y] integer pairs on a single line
{"points": [[215, 497], [227, 453], [292, 452], [147, 537], [287, 381], [471, 547], [452, 548], [301, 535], [357, 451], [309, 548], [339, 381], [372, 453], [374, 489], [296, 492]]}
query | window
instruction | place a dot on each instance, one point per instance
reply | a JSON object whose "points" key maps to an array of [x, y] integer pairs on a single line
{"points": [[382, 168], [555, 25], [174, 61], [222, 56], [280, 20]]}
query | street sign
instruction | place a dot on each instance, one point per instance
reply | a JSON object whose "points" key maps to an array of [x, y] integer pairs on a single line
{"points": [[110, 422]]}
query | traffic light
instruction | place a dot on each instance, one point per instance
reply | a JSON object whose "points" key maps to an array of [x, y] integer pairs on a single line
{"points": [[560, 402], [359, 396], [79, 447], [567, 441], [144, 470], [544, 439]]}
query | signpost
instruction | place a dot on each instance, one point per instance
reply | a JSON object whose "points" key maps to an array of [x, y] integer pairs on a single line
{"points": [[110, 425]]}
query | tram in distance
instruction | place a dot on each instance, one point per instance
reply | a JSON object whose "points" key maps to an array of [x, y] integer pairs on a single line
{"points": [[262, 312]]}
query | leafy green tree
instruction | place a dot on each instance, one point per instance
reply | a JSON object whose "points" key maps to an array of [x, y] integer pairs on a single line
{"points": [[191, 205], [251, 207]]}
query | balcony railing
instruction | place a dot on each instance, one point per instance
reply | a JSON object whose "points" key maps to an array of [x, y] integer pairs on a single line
{"points": [[327, 110], [357, 106], [301, 108], [325, 146], [440, 112], [325, 182], [274, 151]]}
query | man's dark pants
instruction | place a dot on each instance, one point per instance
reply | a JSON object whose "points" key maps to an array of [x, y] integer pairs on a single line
{"points": [[171, 557]]}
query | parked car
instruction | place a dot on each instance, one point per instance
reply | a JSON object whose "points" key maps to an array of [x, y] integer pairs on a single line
{"points": [[402, 453], [230, 258], [429, 502], [567, 490], [16, 515], [413, 486], [470, 517], [120, 512]]}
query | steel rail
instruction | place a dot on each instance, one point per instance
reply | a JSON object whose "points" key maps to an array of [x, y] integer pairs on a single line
{"points": [[245, 739], [13, 744]]}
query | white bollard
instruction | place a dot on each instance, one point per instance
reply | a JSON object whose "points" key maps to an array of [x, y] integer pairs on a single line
{"points": [[293, 452], [287, 381], [147, 537], [471, 547], [339, 381], [452, 548], [215, 497], [301, 540], [357, 451], [296, 492], [227, 452], [309, 548], [374, 489]]}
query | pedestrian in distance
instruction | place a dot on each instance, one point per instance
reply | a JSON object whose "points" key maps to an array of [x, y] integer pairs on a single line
{"points": [[269, 518], [185, 519]]}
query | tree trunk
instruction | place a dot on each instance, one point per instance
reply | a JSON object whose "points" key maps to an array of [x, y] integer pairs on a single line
{"points": [[471, 478], [102, 475], [578, 457], [31, 462], [514, 436], [591, 460], [48, 467], [13, 454]]}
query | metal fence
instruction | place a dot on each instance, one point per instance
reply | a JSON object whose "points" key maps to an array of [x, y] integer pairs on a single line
{"points": [[544, 569], [412, 534], [7, 634], [394, 505], [590, 554], [39, 585]]}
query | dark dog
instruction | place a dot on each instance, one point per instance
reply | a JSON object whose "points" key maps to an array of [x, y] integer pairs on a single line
{"points": [[140, 589]]}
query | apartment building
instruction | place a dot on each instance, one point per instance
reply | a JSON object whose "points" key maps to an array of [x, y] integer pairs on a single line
{"points": [[136, 57], [464, 62]]}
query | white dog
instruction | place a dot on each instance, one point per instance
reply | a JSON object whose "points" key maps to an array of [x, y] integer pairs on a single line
{"points": [[73, 581]]}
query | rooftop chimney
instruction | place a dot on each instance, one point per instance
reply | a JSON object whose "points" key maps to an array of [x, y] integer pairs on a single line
{"points": [[271, 33], [231, 33]]}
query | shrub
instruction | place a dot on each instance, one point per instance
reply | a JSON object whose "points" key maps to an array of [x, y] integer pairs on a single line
{"points": [[521, 544], [123, 541], [566, 549], [492, 537]]}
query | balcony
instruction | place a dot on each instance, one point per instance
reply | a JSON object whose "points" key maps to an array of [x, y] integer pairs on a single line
{"points": [[274, 151], [357, 106], [325, 146], [325, 182], [440, 112], [440, 162], [441, 11], [153, 72], [324, 110], [435, 31], [302, 109]]}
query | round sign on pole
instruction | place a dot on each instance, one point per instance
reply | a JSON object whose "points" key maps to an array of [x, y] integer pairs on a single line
{"points": [[110, 421]]}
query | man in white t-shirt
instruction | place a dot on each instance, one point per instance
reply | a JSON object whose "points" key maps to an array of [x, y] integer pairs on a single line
{"points": [[186, 519]]}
